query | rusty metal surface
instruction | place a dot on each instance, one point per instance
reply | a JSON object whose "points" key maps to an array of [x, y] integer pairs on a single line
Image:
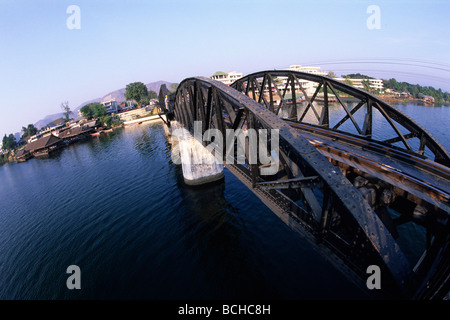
{"points": [[420, 181], [331, 88], [421, 177], [360, 239]]}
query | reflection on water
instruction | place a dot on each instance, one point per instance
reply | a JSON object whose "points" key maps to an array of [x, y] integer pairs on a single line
{"points": [[208, 204]]}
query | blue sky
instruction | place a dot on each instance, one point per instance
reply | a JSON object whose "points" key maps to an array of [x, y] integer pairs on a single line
{"points": [[43, 63]]}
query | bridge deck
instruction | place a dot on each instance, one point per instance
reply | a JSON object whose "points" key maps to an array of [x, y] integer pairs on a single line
{"points": [[350, 222], [420, 177]]}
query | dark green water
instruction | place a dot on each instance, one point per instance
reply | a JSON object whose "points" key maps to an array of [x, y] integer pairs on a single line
{"points": [[117, 207]]}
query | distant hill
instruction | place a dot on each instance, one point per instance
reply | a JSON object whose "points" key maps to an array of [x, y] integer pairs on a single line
{"points": [[43, 122], [118, 95], [155, 86], [52, 117]]}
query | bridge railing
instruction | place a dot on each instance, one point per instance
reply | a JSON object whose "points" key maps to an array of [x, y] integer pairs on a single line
{"points": [[307, 192], [310, 194], [338, 106]]}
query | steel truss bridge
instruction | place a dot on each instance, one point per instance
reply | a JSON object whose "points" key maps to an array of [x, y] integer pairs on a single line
{"points": [[354, 171]]}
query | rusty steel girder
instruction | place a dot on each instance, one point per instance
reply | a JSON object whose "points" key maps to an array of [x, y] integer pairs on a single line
{"points": [[309, 193], [269, 87], [412, 163]]}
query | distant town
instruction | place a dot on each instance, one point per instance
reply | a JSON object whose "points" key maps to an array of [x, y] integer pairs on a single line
{"points": [[93, 119], [141, 104]]}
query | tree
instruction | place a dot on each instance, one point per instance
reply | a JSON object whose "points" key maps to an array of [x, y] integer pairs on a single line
{"points": [[152, 94], [416, 90], [110, 121], [357, 76], [106, 121], [93, 110], [145, 101], [99, 110], [173, 87], [393, 84], [87, 111], [366, 85], [29, 131], [4, 158], [331, 74], [25, 132], [348, 81], [136, 91], [67, 112], [9, 142]]}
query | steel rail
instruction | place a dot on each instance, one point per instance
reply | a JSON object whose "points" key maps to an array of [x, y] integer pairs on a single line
{"points": [[431, 167], [200, 98]]}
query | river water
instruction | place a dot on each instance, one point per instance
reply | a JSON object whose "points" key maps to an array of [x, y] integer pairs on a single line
{"points": [[117, 207]]}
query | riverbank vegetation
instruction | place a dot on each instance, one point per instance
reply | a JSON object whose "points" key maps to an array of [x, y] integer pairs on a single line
{"points": [[96, 110], [28, 131], [5, 158], [66, 111], [417, 91], [138, 92], [395, 91], [9, 144]]}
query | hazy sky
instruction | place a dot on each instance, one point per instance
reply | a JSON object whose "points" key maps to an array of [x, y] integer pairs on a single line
{"points": [[43, 62]]}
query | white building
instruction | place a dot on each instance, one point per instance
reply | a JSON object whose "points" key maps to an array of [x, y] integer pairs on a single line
{"points": [[313, 70], [33, 138], [227, 77], [375, 84], [110, 105], [308, 86]]}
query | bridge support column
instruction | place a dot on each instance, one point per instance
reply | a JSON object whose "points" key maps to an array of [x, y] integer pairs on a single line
{"points": [[198, 164]]}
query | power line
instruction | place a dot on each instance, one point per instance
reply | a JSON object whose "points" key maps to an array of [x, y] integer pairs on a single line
{"points": [[417, 62], [386, 63]]}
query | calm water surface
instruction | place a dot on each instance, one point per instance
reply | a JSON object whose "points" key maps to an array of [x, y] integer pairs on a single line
{"points": [[117, 207]]}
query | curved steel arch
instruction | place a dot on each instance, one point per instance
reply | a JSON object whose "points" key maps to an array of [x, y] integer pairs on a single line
{"points": [[291, 81], [308, 192]]}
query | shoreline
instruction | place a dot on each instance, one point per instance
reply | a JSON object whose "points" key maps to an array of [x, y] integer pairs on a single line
{"points": [[10, 157], [425, 103]]}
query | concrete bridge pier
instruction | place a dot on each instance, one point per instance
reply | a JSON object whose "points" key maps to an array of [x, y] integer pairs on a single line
{"points": [[198, 164]]}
